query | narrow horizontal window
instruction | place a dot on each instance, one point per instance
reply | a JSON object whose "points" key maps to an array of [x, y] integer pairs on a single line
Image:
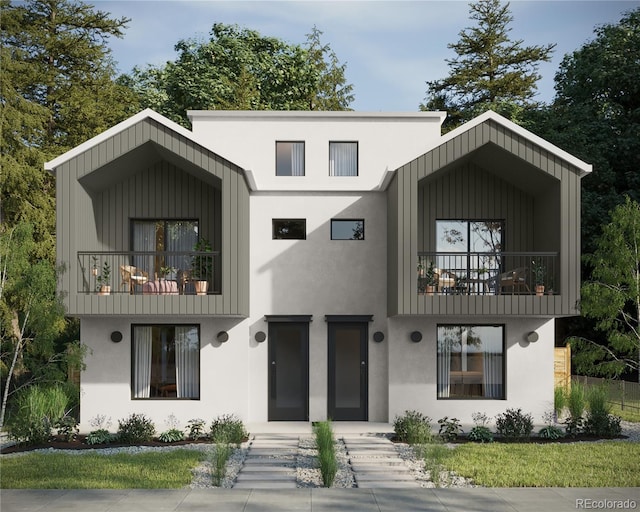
{"points": [[347, 229], [166, 361], [471, 361], [289, 229], [289, 158], [343, 158]]}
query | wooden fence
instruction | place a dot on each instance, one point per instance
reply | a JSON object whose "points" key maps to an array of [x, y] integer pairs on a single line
{"points": [[562, 367], [623, 393]]}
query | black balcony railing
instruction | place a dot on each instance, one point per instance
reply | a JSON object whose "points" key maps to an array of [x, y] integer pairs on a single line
{"points": [[488, 273], [149, 273]]}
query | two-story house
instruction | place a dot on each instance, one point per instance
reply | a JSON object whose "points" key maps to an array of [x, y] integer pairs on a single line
{"points": [[308, 265]]}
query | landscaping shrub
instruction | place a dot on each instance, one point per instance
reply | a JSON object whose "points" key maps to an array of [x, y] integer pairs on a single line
{"points": [[38, 410], [172, 435], [227, 429], [514, 424], [413, 427], [559, 400], [599, 421], [450, 429], [219, 460], [100, 436], [480, 433], [196, 429], [326, 452], [576, 401], [67, 427], [550, 431], [135, 429]]}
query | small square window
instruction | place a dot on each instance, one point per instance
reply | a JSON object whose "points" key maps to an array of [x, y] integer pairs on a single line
{"points": [[289, 229], [347, 229], [343, 158], [289, 158]]}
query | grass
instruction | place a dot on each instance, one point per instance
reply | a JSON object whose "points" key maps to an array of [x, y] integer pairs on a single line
{"points": [[165, 470], [219, 463], [326, 452], [627, 413], [608, 464]]}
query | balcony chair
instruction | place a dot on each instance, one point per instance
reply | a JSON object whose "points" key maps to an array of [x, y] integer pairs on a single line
{"points": [[514, 279], [446, 280], [131, 276]]}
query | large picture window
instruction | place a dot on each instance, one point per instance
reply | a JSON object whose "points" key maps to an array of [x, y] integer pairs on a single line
{"points": [[471, 361], [166, 361]]}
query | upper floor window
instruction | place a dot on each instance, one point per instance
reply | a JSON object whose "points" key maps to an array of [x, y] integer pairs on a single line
{"points": [[289, 158], [471, 361], [289, 229], [166, 361], [343, 158], [347, 229], [165, 244]]}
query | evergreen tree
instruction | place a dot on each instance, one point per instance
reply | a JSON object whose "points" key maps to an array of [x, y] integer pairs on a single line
{"points": [[490, 71], [57, 91]]}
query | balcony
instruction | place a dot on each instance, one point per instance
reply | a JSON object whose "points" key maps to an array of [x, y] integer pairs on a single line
{"points": [[149, 273], [488, 273]]}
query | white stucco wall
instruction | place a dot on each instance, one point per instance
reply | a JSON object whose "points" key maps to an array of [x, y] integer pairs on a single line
{"points": [[412, 369], [385, 142]]}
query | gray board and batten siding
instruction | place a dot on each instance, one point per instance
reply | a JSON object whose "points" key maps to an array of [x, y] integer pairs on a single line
{"points": [[485, 172], [148, 171]]}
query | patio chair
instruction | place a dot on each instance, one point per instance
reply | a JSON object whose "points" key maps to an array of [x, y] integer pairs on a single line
{"points": [[446, 280], [515, 279], [131, 276]]}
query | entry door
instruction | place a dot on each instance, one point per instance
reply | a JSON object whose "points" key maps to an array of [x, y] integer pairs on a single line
{"points": [[348, 372], [288, 371]]}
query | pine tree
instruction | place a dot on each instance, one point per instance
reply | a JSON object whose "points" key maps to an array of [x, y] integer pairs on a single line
{"points": [[490, 71]]}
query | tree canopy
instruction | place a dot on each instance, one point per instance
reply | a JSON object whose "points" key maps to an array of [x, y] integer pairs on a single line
{"points": [[241, 69], [490, 70]]}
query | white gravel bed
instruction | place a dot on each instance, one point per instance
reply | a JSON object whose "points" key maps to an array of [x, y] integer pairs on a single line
{"points": [[203, 474], [423, 476], [308, 473]]}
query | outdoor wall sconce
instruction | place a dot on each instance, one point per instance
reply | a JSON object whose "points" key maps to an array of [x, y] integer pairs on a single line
{"points": [[378, 336], [222, 336], [260, 336], [116, 336], [532, 337], [416, 336]]}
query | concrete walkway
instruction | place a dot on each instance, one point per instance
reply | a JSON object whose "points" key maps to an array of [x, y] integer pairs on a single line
{"points": [[321, 500], [270, 463]]}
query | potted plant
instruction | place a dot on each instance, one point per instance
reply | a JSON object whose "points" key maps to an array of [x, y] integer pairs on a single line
{"points": [[539, 274], [104, 279], [427, 278], [165, 271], [201, 266], [94, 266]]}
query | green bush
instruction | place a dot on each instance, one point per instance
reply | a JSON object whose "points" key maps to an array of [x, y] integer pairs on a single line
{"points": [[219, 460], [550, 432], [172, 435], [481, 434], [67, 427], [514, 424], [450, 429], [599, 421], [559, 400], [228, 429], [100, 436], [326, 452], [196, 429], [413, 427], [37, 410], [576, 402], [135, 429]]}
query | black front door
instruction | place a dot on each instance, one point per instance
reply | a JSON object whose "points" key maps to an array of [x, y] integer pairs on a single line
{"points": [[348, 372], [288, 371]]}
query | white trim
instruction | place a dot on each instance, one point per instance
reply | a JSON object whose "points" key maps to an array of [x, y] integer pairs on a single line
{"points": [[315, 115], [523, 132]]}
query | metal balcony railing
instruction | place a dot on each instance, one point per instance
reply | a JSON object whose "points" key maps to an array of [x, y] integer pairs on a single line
{"points": [[149, 273], [488, 273]]}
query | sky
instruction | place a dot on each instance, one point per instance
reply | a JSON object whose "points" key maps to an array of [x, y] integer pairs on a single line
{"points": [[390, 47]]}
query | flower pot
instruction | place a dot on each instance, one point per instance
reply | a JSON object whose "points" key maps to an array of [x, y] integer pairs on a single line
{"points": [[539, 290], [105, 290], [201, 287]]}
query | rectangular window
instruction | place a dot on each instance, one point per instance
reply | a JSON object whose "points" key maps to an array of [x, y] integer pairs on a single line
{"points": [[289, 158], [343, 158], [471, 361], [166, 361], [289, 229], [347, 229], [165, 244]]}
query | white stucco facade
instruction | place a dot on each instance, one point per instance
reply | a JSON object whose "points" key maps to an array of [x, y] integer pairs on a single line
{"points": [[314, 277]]}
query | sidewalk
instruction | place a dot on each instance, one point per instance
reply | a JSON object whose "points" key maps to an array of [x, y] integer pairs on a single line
{"points": [[322, 500]]}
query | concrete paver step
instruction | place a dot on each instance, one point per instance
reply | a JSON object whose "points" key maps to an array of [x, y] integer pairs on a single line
{"points": [[266, 468], [265, 485], [368, 468], [383, 477], [389, 485], [269, 461], [263, 477]]}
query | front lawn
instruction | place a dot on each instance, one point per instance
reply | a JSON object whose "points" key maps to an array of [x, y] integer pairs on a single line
{"points": [[159, 470], [606, 464]]}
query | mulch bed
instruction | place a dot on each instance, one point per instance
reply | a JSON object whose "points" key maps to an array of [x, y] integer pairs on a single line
{"points": [[463, 439], [57, 443]]}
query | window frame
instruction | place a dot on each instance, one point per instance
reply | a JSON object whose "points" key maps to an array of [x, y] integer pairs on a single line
{"points": [[346, 220], [133, 370], [357, 144], [304, 158], [273, 228], [503, 365]]}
